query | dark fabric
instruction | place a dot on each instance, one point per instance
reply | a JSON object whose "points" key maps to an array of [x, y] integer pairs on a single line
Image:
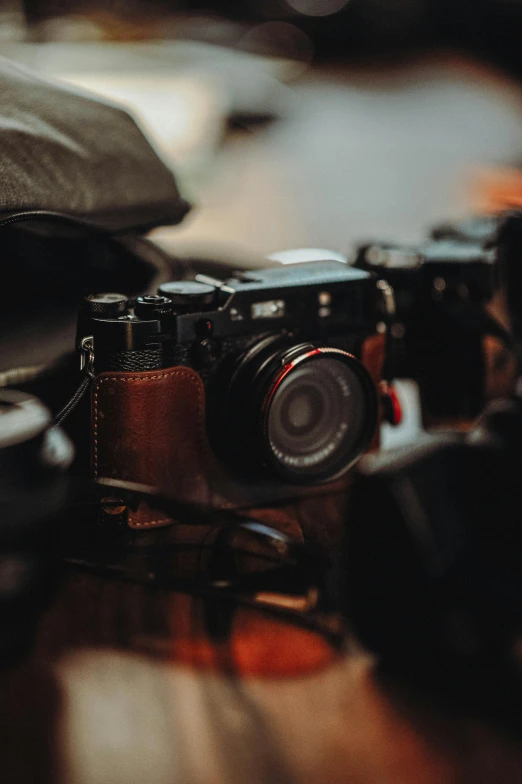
{"points": [[64, 152]]}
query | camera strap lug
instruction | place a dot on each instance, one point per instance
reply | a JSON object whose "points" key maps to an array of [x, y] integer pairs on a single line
{"points": [[87, 353], [87, 369]]}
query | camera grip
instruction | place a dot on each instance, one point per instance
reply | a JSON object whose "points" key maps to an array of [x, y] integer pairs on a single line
{"points": [[149, 427]]}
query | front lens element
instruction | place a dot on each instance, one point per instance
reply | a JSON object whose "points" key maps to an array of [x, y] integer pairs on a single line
{"points": [[319, 415]]}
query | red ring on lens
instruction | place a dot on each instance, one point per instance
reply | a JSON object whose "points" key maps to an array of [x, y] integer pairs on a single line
{"points": [[366, 382]]}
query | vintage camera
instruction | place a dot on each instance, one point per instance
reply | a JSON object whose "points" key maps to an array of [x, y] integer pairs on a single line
{"points": [[446, 336], [251, 389]]}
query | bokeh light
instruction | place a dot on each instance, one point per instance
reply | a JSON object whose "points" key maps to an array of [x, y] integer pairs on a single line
{"points": [[317, 7]]}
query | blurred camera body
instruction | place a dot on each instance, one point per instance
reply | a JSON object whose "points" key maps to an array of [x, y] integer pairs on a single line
{"points": [[445, 335], [253, 389], [478, 229]]}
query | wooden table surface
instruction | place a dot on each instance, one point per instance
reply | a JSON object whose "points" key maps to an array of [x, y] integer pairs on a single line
{"points": [[124, 686]]}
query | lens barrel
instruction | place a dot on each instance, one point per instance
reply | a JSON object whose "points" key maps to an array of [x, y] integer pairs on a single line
{"points": [[305, 413]]}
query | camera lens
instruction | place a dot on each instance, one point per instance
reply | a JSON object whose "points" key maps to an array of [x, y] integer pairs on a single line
{"points": [[316, 416], [307, 412]]}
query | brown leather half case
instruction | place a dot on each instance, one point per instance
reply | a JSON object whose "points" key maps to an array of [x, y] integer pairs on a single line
{"points": [[149, 427]]}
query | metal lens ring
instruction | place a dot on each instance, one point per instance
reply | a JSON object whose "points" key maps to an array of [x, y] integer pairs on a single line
{"points": [[318, 415]]}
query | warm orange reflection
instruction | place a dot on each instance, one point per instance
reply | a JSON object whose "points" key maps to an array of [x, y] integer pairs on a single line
{"points": [[256, 644]]}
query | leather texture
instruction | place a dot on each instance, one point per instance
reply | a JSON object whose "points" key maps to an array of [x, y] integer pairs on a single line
{"points": [[149, 427]]}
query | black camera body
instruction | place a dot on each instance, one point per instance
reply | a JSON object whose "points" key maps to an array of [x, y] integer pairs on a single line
{"points": [[445, 272], [441, 293], [278, 351], [198, 322]]}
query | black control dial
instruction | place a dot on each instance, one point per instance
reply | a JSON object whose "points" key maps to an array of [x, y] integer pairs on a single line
{"points": [[151, 306], [109, 305], [189, 296]]}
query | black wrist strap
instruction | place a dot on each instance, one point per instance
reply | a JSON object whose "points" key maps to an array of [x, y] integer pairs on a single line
{"points": [[75, 399], [293, 569]]}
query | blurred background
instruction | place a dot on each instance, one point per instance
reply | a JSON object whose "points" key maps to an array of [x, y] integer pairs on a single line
{"points": [[293, 123], [300, 122]]}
